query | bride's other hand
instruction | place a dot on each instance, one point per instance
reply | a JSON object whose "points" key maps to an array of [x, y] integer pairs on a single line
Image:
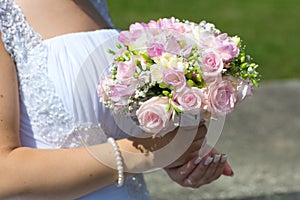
{"points": [[201, 171]]}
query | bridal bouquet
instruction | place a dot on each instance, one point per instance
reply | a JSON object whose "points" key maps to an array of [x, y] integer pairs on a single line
{"points": [[169, 67]]}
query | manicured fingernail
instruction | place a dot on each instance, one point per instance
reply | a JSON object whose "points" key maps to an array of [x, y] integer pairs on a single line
{"points": [[197, 161], [208, 161], [217, 158], [224, 158]]}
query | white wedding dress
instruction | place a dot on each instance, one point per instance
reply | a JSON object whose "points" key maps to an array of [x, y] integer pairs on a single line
{"points": [[58, 79]]}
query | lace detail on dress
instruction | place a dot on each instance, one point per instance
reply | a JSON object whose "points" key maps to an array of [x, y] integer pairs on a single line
{"points": [[44, 108], [86, 135]]}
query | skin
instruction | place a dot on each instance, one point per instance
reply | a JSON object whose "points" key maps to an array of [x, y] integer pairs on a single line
{"points": [[20, 166]]}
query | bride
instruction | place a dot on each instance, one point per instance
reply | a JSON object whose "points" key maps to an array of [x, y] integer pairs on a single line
{"points": [[56, 140]]}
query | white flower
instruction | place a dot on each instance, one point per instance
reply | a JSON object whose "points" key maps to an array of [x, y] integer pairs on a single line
{"points": [[182, 65], [156, 73], [170, 60], [167, 60], [144, 78], [236, 40]]}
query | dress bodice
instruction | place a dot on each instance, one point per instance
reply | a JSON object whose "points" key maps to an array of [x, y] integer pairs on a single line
{"points": [[58, 77]]}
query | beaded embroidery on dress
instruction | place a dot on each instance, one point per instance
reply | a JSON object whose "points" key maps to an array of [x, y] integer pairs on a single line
{"points": [[45, 116], [43, 106]]}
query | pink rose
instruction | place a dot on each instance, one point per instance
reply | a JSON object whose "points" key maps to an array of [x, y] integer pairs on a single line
{"points": [[175, 78], [243, 87], [119, 92], [153, 115], [228, 49], [190, 100], [221, 98], [125, 71], [211, 63]]}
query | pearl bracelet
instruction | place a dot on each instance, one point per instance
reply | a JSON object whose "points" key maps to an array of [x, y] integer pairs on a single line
{"points": [[120, 168]]}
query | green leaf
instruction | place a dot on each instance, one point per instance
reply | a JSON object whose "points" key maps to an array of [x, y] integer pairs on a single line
{"points": [[138, 63], [120, 59], [163, 85], [244, 65], [189, 75], [111, 52], [147, 58], [127, 54], [255, 83], [165, 92], [177, 110], [169, 106], [191, 83], [118, 45]]}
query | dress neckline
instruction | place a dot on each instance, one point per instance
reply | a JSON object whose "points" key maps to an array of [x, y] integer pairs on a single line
{"points": [[70, 33]]}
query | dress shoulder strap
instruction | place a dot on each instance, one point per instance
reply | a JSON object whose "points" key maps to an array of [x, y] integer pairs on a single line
{"points": [[102, 8], [17, 34]]}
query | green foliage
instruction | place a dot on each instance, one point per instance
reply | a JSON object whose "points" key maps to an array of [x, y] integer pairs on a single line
{"points": [[269, 28], [244, 67]]}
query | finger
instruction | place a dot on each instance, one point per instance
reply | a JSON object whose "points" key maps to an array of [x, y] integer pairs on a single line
{"points": [[219, 169], [228, 171], [186, 169], [180, 173], [193, 178], [211, 171]]}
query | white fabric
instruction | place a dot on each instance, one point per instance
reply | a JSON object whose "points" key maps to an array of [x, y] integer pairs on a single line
{"points": [[75, 63], [59, 107]]}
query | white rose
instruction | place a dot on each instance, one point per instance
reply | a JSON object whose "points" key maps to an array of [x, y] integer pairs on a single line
{"points": [[156, 73]]}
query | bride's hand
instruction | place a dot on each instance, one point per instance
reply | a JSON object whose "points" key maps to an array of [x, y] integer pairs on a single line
{"points": [[193, 150], [196, 172]]}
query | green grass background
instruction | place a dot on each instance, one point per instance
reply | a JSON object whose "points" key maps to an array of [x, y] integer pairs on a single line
{"points": [[269, 28]]}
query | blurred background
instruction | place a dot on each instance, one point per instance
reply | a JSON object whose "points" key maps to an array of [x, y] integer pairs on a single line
{"points": [[262, 136]]}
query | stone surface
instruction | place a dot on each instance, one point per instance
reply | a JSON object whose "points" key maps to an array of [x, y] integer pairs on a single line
{"points": [[262, 139]]}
